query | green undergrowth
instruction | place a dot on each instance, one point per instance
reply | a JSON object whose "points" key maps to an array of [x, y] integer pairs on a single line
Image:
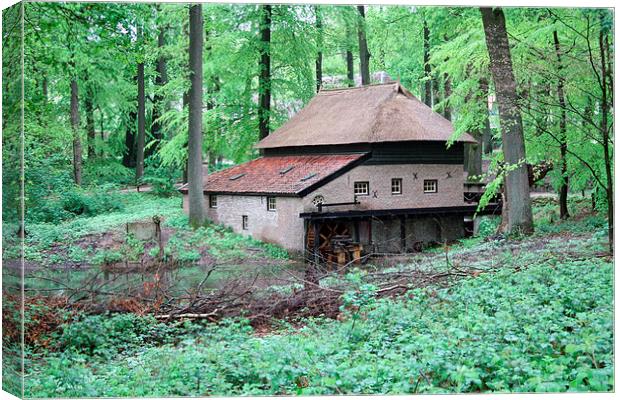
{"points": [[540, 324], [51, 243]]}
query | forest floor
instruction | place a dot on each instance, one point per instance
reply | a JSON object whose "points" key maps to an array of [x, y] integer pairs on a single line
{"points": [[484, 314]]}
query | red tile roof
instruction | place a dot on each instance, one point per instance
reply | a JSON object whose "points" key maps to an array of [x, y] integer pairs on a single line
{"points": [[285, 175]]}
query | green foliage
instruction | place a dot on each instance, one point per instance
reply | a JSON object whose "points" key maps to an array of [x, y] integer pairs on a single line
{"points": [[105, 172], [544, 328], [107, 335], [488, 226], [162, 181], [76, 202], [107, 256]]}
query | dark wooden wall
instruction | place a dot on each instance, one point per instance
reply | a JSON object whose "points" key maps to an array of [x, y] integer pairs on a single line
{"points": [[385, 153]]}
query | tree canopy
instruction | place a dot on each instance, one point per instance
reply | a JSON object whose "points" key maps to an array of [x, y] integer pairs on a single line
{"points": [[100, 48]]}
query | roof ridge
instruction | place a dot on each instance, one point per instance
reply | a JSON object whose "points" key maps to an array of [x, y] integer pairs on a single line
{"points": [[342, 89]]}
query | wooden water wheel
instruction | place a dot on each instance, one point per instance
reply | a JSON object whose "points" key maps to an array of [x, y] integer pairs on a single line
{"points": [[327, 231]]}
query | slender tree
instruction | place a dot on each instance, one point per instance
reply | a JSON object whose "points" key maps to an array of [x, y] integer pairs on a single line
{"points": [[428, 97], [363, 46], [447, 91], [195, 190], [129, 156], [517, 190], [319, 45], [75, 125], [161, 78], [349, 55], [89, 110], [264, 79], [563, 198], [141, 136], [606, 84]]}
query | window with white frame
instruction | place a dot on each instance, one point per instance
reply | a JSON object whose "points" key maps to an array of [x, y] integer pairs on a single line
{"points": [[397, 186], [212, 201], [430, 186], [271, 203], [244, 222], [361, 188]]}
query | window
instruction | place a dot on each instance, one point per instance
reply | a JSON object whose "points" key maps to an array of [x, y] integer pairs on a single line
{"points": [[271, 203], [397, 186], [361, 189], [318, 199], [430, 186], [244, 222], [212, 201]]}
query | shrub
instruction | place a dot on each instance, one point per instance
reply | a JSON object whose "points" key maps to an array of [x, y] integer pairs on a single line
{"points": [[162, 181], [107, 171], [107, 335]]}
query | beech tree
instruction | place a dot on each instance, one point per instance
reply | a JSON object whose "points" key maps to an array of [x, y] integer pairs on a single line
{"points": [[319, 45], [517, 191], [563, 199], [194, 167], [363, 46], [75, 126], [428, 97], [264, 85], [140, 139]]}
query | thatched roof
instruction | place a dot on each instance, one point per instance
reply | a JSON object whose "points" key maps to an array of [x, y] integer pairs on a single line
{"points": [[367, 114]]}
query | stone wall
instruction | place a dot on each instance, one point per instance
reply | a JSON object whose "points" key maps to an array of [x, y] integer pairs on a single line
{"points": [[282, 227]]}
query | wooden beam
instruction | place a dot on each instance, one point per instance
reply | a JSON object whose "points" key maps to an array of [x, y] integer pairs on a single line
{"points": [[315, 250]]}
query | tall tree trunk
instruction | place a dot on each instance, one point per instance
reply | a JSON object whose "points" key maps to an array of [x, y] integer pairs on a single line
{"points": [[141, 125], [161, 78], [447, 92], [487, 137], [513, 144], [44, 88], [435, 92], [563, 140], [605, 75], [101, 133], [75, 125], [319, 45], [185, 105], [90, 124], [349, 56], [264, 79], [428, 97], [195, 188], [350, 69], [363, 46], [129, 157]]}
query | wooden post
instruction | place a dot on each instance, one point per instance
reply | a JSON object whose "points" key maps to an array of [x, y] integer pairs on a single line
{"points": [[356, 230], [403, 235], [315, 250]]}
